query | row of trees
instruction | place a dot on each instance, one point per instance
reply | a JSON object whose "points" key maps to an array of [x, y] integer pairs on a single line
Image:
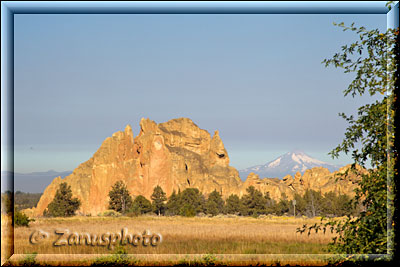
{"points": [[191, 202]]}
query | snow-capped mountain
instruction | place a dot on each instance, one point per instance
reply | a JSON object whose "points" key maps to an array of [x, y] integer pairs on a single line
{"points": [[289, 163]]}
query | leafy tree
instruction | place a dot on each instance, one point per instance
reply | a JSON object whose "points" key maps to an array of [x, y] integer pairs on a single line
{"points": [[253, 203], [215, 203], [141, 205], [120, 199], [63, 205], [232, 204], [158, 197], [369, 136]]}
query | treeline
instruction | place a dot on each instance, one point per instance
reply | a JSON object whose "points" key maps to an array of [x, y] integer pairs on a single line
{"points": [[26, 200], [21, 200], [191, 202]]}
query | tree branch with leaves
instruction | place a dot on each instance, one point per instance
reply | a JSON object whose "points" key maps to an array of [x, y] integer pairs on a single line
{"points": [[369, 137]]}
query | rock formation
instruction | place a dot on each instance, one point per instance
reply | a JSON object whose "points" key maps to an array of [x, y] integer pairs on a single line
{"points": [[317, 178], [175, 155]]}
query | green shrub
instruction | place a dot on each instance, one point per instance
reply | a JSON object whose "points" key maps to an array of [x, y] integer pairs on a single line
{"points": [[118, 258], [30, 260], [140, 205], [187, 211], [20, 219]]}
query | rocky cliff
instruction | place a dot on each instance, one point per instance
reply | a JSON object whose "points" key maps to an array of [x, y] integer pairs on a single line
{"points": [[175, 155]]}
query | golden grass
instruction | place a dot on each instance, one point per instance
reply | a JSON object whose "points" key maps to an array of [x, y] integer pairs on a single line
{"points": [[6, 238], [183, 235], [248, 237]]}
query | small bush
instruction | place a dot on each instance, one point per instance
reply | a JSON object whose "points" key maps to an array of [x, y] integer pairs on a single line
{"points": [[118, 258], [20, 219], [209, 260], [109, 213]]}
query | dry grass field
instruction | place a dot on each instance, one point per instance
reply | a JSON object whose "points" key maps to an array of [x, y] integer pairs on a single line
{"points": [[180, 235]]}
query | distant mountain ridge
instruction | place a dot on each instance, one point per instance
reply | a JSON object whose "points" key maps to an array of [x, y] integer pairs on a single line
{"points": [[34, 182], [289, 163]]}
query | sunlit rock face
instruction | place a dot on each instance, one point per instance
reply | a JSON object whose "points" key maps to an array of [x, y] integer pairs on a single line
{"points": [[174, 155]]}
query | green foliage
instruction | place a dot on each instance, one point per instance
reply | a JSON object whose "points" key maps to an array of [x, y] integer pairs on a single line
{"points": [[313, 200], [270, 204], [206, 260], [120, 199], [63, 205], [283, 206], [338, 205], [20, 219], [30, 260], [120, 257], [173, 204], [253, 203], [232, 204], [140, 205], [187, 210], [191, 202], [158, 197], [209, 260], [369, 136], [215, 203]]}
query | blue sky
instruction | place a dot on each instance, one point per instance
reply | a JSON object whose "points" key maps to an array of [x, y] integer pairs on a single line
{"points": [[258, 79]]}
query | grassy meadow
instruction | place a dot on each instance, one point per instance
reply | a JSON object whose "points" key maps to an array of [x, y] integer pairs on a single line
{"points": [[183, 236]]}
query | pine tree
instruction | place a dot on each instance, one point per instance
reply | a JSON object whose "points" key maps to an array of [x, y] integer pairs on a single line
{"points": [[270, 204], [253, 203], [215, 203], [313, 203], [283, 205], [120, 199], [173, 204], [158, 197], [192, 202], [63, 205], [232, 204]]}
